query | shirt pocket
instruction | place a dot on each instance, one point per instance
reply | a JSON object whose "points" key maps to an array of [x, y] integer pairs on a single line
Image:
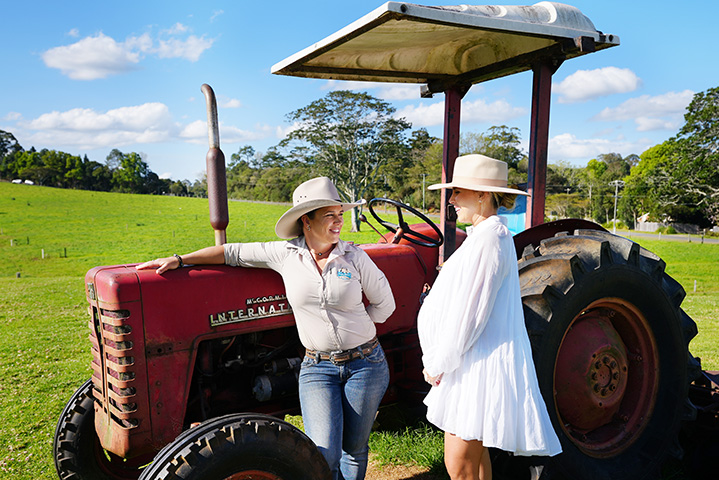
{"points": [[343, 288]]}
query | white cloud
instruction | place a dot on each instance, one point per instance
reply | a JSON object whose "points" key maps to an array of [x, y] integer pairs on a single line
{"points": [[216, 14], [399, 91], [92, 58], [190, 49], [585, 85], [196, 132], [423, 115], [143, 43], [12, 116], [659, 112], [498, 111], [385, 91], [88, 129], [74, 33], [283, 132], [230, 134], [225, 102], [136, 118], [567, 146], [101, 56], [645, 124], [176, 28], [85, 128], [477, 111]]}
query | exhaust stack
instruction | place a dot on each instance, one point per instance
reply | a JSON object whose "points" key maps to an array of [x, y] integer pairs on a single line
{"points": [[216, 177]]}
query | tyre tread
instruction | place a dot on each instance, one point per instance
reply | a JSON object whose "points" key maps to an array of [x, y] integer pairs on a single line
{"points": [[550, 271]]}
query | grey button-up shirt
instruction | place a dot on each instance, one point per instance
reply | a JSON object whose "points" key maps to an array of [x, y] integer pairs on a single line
{"points": [[328, 307]]}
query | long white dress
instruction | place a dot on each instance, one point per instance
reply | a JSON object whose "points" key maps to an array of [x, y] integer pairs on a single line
{"points": [[471, 329]]}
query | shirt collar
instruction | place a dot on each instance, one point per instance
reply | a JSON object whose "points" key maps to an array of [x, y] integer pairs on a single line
{"points": [[300, 245]]}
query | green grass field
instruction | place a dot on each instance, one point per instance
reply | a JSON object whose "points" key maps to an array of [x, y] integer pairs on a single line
{"points": [[44, 351]]}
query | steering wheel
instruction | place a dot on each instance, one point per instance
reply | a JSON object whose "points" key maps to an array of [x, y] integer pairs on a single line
{"points": [[403, 229]]}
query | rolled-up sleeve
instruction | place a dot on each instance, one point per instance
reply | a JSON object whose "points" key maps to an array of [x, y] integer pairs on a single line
{"points": [[256, 254], [376, 288]]}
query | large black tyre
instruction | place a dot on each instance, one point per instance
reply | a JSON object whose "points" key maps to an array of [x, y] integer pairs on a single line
{"points": [[76, 449], [238, 447], [610, 345]]}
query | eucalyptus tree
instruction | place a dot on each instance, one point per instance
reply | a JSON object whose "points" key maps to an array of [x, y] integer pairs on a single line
{"points": [[347, 136]]}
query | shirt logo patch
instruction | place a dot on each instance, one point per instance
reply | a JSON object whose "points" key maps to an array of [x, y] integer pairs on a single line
{"points": [[344, 273]]}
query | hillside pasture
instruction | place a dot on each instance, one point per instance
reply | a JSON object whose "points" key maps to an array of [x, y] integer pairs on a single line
{"points": [[50, 237]]}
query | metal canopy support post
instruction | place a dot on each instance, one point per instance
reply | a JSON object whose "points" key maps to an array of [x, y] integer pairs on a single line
{"points": [[448, 217], [539, 141], [448, 49]]}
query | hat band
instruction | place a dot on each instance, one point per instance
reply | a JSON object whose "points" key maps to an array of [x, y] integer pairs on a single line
{"points": [[305, 200], [490, 182]]}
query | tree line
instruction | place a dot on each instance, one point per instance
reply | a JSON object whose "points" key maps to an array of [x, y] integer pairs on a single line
{"points": [[356, 140], [121, 172]]}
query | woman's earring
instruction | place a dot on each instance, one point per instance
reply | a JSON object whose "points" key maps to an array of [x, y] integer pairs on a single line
{"points": [[308, 227]]}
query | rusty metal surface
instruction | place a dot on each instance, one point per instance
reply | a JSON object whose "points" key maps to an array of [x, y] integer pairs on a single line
{"points": [[606, 377], [216, 175], [539, 141], [146, 343], [450, 152]]}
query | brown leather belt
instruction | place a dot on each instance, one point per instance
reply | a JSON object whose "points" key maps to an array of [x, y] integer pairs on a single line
{"points": [[341, 356]]}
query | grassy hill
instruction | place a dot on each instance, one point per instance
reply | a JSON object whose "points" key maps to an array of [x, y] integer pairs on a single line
{"points": [[44, 351]]}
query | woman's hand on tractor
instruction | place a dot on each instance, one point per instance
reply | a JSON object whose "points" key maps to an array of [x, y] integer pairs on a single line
{"points": [[161, 264]]}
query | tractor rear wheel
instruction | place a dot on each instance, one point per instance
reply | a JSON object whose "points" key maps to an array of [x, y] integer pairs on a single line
{"points": [[76, 449], [240, 447], [610, 345]]}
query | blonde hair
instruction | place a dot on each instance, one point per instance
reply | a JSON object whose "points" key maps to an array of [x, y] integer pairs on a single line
{"points": [[502, 199]]}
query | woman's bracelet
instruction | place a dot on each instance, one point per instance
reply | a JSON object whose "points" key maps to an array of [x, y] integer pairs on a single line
{"points": [[179, 259]]}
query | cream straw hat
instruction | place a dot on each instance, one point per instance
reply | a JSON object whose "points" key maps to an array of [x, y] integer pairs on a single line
{"points": [[479, 173], [310, 195]]}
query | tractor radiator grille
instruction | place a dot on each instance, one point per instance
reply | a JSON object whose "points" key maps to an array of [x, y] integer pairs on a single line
{"points": [[113, 364]]}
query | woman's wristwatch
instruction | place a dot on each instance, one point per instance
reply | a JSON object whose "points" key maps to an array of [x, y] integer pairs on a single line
{"points": [[179, 259]]}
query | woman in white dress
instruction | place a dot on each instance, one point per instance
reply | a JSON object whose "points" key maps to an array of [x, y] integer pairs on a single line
{"points": [[476, 351]]}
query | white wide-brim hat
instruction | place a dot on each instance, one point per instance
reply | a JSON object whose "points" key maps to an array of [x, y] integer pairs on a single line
{"points": [[313, 194], [479, 173]]}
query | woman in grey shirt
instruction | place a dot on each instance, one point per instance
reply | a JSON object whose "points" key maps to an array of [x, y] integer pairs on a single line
{"points": [[344, 373]]}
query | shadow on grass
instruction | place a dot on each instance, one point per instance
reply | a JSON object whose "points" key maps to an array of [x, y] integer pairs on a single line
{"points": [[402, 436]]}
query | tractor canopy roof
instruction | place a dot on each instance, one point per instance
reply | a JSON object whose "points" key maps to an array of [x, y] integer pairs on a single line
{"points": [[450, 45]]}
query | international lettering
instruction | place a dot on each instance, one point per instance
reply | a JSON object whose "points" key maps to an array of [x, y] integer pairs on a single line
{"points": [[257, 307]]}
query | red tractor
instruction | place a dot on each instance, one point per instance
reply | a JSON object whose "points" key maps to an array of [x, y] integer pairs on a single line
{"points": [[193, 370]]}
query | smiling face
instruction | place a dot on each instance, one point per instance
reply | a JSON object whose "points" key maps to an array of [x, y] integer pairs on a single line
{"points": [[467, 204], [325, 225]]}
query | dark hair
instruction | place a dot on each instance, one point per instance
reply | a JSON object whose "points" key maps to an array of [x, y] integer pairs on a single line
{"points": [[311, 215]]}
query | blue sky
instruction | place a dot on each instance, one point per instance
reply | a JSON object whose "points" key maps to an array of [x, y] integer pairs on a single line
{"points": [[85, 77]]}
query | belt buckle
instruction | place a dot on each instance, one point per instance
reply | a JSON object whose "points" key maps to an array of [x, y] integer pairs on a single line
{"points": [[333, 357]]}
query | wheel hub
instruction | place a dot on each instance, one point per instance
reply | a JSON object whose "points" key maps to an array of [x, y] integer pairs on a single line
{"points": [[591, 373], [606, 377]]}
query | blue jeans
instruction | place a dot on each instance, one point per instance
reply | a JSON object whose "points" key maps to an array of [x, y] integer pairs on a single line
{"points": [[339, 404]]}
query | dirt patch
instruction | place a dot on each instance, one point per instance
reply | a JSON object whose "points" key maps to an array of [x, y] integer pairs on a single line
{"points": [[398, 472]]}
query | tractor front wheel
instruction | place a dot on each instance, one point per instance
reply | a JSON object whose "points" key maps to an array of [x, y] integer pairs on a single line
{"points": [[240, 447], [76, 449], [610, 345]]}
